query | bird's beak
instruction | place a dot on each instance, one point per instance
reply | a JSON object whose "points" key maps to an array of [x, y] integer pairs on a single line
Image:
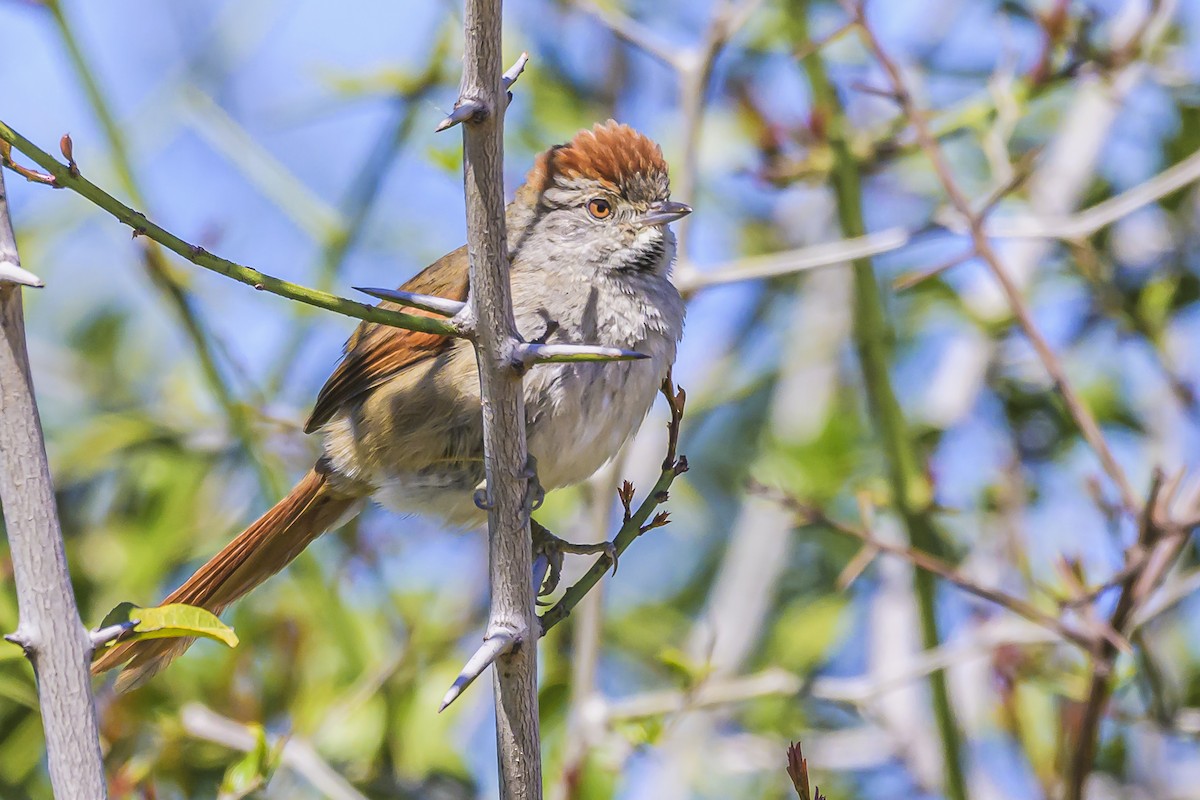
{"points": [[665, 212]]}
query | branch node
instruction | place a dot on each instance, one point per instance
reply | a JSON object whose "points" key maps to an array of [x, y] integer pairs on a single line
{"points": [[21, 639]]}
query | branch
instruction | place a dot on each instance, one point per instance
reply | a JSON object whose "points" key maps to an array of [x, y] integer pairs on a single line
{"points": [[635, 522], [158, 269], [506, 457], [909, 484], [1083, 751], [789, 262], [63, 177], [1083, 418], [50, 631], [811, 515]]}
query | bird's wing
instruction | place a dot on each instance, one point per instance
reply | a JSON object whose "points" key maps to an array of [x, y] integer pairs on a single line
{"points": [[377, 352]]}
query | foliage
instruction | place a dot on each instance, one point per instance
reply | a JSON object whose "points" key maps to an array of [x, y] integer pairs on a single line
{"points": [[299, 140]]}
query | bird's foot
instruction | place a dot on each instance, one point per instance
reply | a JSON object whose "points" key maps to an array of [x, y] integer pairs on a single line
{"points": [[553, 548], [535, 495]]}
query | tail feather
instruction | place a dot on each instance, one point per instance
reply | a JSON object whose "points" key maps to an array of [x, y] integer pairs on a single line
{"points": [[264, 548]]}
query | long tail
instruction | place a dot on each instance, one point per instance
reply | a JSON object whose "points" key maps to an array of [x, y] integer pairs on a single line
{"points": [[266, 547]]}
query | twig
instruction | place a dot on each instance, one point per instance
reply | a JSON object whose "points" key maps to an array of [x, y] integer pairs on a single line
{"points": [[979, 237], [49, 629], [910, 486], [1090, 220], [200, 257], [793, 261], [636, 522], [159, 270], [1083, 750], [634, 33], [812, 515]]}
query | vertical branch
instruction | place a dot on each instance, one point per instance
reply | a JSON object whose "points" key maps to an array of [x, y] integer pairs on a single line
{"points": [[49, 630], [506, 458], [912, 495]]}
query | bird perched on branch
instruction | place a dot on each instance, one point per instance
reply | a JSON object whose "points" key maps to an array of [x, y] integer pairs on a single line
{"points": [[590, 255]]}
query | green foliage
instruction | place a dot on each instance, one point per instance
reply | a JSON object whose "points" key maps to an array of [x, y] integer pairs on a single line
{"points": [[172, 621]]}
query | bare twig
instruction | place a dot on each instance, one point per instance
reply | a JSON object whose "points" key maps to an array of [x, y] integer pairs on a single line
{"points": [[50, 631], [1087, 730], [1078, 411], [812, 515]]}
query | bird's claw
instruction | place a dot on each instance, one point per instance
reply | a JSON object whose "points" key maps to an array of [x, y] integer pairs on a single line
{"points": [[553, 548], [535, 493]]}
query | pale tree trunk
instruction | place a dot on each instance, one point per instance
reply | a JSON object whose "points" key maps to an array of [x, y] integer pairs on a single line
{"points": [[50, 631]]}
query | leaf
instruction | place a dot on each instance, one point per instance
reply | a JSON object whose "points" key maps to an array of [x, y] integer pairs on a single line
{"points": [[252, 771], [174, 620]]}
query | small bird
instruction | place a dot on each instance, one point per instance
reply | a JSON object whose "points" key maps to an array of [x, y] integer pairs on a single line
{"points": [[590, 255]]}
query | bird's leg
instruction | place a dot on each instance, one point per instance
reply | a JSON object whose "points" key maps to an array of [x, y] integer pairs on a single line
{"points": [[553, 548]]}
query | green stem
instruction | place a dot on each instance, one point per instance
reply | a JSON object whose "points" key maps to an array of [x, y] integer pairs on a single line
{"points": [[630, 530], [202, 258], [911, 490]]}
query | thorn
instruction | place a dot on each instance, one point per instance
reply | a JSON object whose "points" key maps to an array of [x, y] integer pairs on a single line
{"points": [[20, 639], [514, 72], [13, 272], [530, 353], [463, 110], [103, 636], [493, 647], [425, 302]]}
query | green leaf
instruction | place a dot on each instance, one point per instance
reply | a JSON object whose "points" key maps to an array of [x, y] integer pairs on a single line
{"points": [[175, 620], [252, 771]]}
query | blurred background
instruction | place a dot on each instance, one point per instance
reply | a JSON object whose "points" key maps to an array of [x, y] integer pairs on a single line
{"points": [[297, 137]]}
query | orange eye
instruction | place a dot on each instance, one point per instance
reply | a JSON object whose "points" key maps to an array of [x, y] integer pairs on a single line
{"points": [[599, 208]]}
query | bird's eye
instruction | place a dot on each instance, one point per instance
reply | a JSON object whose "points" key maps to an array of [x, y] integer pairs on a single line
{"points": [[599, 208]]}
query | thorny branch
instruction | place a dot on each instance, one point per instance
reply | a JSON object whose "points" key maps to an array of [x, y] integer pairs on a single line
{"points": [[68, 176], [636, 522]]}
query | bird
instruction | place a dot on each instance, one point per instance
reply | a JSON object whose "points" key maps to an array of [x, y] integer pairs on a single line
{"points": [[590, 253]]}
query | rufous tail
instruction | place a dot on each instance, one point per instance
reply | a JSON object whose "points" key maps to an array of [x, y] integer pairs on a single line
{"points": [[266, 547]]}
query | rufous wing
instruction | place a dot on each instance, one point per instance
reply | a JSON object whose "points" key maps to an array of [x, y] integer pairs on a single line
{"points": [[377, 352]]}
